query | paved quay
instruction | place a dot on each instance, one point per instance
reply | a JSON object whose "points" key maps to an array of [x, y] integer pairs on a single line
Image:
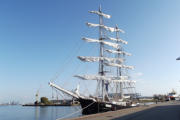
{"points": [[164, 111]]}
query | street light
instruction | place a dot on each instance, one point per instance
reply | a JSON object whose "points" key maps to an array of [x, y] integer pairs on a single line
{"points": [[178, 58]]}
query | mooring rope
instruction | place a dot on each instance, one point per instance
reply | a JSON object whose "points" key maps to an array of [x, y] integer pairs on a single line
{"points": [[75, 112]]}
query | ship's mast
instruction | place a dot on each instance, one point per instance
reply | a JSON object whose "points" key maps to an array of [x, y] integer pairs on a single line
{"points": [[119, 72], [101, 64]]}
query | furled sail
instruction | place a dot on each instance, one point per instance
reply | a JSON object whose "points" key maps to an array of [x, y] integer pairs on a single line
{"points": [[100, 13], [118, 52], [119, 65], [95, 59], [111, 29], [92, 25], [106, 78], [119, 40], [114, 45]]}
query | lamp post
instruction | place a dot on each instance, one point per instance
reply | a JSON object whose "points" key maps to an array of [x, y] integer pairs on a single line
{"points": [[178, 59]]}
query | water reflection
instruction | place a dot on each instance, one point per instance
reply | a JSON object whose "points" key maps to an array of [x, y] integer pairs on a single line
{"points": [[36, 113], [54, 112]]}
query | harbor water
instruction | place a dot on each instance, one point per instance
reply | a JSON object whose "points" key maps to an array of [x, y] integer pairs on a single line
{"points": [[18, 112]]}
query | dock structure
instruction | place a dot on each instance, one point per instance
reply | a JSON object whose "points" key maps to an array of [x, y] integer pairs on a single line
{"points": [[165, 111]]}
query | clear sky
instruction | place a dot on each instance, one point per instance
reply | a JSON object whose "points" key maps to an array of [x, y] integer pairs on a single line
{"points": [[41, 38]]}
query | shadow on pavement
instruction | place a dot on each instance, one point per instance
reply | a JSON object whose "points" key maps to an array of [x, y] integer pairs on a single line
{"points": [[169, 112]]}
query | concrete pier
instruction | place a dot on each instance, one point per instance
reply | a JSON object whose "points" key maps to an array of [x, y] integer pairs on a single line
{"points": [[164, 111]]}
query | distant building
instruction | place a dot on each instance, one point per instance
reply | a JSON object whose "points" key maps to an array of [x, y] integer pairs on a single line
{"points": [[61, 101]]}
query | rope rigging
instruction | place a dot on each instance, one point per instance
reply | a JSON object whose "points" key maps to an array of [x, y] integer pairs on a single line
{"points": [[75, 112]]}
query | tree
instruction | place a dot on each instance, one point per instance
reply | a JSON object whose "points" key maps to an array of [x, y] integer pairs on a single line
{"points": [[45, 100]]}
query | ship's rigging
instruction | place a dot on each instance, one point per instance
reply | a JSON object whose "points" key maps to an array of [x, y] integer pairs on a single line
{"points": [[119, 80]]}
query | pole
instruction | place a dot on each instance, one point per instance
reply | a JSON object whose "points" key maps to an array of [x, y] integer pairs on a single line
{"points": [[101, 64], [119, 73]]}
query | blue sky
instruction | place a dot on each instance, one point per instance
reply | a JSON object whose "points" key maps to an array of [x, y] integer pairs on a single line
{"points": [[41, 38]]}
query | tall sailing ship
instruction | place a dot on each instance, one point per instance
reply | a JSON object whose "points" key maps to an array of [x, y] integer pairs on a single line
{"points": [[111, 87]]}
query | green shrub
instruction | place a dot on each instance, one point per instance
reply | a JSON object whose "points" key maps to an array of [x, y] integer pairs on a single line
{"points": [[45, 101]]}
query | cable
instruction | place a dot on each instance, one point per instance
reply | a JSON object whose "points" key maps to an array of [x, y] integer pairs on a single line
{"points": [[78, 47], [75, 112]]}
